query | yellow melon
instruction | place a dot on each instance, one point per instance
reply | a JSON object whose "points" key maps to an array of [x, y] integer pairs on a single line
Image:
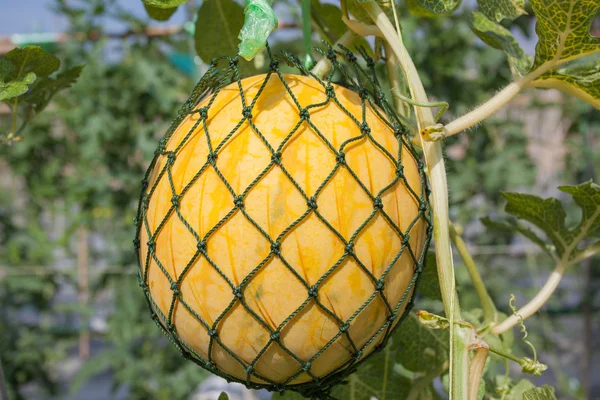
{"points": [[259, 250]]}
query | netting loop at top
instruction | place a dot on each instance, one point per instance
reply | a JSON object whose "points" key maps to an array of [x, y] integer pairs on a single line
{"points": [[170, 271]]}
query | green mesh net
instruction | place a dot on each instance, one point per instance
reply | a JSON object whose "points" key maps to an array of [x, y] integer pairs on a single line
{"points": [[358, 75]]}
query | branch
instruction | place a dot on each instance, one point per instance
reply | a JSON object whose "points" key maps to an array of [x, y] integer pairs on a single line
{"points": [[489, 308], [535, 304]]}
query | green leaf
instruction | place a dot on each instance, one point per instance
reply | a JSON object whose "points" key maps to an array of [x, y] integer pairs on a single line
{"points": [[549, 215], [581, 80], [31, 59], [16, 87], [544, 393], [376, 378], [516, 392], [587, 197], [432, 8], [500, 38], [217, 27], [430, 283], [563, 29], [355, 8], [223, 396], [498, 10], [164, 3], [44, 89], [421, 349], [513, 225], [159, 13]]}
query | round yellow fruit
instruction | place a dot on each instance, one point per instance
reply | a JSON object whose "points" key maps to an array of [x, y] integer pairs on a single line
{"points": [[237, 220]]}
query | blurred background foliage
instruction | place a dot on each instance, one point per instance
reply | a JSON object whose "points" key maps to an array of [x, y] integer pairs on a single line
{"points": [[69, 192]]}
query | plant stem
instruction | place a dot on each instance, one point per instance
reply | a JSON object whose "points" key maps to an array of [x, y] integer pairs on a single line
{"points": [[494, 104], [439, 199], [586, 253], [490, 312], [476, 371], [536, 303]]}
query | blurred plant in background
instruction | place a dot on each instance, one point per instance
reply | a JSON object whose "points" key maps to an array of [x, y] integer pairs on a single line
{"points": [[69, 191]]}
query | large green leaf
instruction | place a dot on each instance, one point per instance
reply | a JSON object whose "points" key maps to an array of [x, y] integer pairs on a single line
{"points": [[44, 89], [542, 393], [580, 79], [432, 8], [160, 13], [421, 349], [549, 216], [217, 27], [513, 225], [516, 392], [31, 59], [164, 3], [498, 10], [563, 29], [500, 38]]}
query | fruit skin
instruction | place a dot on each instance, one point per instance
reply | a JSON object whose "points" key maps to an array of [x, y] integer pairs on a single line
{"points": [[310, 248]]}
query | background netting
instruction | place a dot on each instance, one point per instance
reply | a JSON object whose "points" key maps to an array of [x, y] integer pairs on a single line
{"points": [[355, 74]]}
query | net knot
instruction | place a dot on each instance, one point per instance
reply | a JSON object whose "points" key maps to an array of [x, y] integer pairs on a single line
{"points": [[358, 355], [400, 170], [150, 245], [145, 201], [350, 57], [201, 246], [363, 93], [238, 201], [212, 333], [306, 366], [398, 132], [312, 203], [349, 248], [276, 247], [405, 239], [331, 56], [391, 317], [171, 157], [380, 285], [175, 200], [276, 157], [341, 157], [247, 112], [249, 369], [313, 291], [136, 243], [237, 292], [233, 62], [377, 203], [170, 327], [304, 114], [364, 128], [274, 65], [422, 206], [344, 327], [275, 336], [203, 112], [329, 91], [175, 288], [144, 183], [212, 157]]}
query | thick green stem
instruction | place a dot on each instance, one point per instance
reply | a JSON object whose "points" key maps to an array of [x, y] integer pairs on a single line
{"points": [[459, 353], [490, 313]]}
